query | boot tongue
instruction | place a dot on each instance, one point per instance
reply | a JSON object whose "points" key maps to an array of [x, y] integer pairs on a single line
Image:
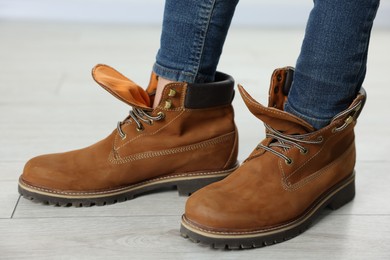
{"points": [[275, 117], [121, 87]]}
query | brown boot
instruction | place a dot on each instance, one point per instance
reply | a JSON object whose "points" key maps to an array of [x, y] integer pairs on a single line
{"points": [[188, 141], [288, 179]]}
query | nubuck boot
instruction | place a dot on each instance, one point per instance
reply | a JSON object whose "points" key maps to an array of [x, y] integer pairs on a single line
{"points": [[188, 141], [281, 188]]}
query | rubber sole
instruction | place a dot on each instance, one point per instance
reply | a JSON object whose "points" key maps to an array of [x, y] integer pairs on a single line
{"points": [[185, 184], [334, 199]]}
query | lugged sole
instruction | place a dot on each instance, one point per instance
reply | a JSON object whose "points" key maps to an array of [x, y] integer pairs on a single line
{"points": [[334, 199], [186, 184]]}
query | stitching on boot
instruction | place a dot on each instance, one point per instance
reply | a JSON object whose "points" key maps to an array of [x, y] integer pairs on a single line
{"points": [[311, 158], [272, 110], [299, 219], [191, 174], [187, 148], [316, 174], [285, 178], [141, 135], [306, 162], [235, 144]]}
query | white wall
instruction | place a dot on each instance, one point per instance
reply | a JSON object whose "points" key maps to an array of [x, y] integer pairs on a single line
{"points": [[275, 13]]}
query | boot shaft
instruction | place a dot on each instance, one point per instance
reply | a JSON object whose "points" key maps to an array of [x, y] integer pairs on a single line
{"points": [[190, 113], [303, 148]]}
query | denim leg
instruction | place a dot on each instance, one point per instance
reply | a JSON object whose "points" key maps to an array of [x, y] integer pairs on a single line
{"points": [[332, 64], [192, 39]]}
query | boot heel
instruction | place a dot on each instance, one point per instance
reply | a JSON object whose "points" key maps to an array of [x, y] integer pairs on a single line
{"points": [[187, 187], [343, 196]]}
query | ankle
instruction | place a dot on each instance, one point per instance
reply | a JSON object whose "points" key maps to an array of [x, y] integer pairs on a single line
{"points": [[162, 82]]}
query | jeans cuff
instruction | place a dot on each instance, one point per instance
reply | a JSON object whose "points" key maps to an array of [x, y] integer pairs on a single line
{"points": [[179, 75], [315, 122]]}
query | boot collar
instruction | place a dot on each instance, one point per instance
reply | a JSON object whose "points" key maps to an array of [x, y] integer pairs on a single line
{"points": [[351, 114], [214, 94], [275, 116], [204, 95]]}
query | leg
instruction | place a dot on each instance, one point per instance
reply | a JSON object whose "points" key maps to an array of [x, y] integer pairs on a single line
{"points": [[192, 40], [332, 64]]}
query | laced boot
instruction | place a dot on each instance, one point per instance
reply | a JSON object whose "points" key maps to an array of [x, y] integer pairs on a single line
{"points": [[279, 190], [188, 141]]}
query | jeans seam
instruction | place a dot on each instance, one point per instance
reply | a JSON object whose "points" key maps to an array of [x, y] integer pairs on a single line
{"points": [[203, 23], [363, 46]]}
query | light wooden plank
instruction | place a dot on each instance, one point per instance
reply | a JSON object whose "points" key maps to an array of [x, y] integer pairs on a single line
{"points": [[163, 203], [334, 237], [8, 198], [10, 171], [372, 191]]}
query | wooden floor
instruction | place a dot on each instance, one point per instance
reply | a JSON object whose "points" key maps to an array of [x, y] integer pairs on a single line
{"points": [[48, 103]]}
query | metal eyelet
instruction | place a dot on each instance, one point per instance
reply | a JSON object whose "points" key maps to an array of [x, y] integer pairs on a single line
{"points": [[123, 137], [161, 114], [304, 151], [289, 161], [168, 104], [279, 78], [140, 129], [347, 122], [320, 139], [171, 93]]}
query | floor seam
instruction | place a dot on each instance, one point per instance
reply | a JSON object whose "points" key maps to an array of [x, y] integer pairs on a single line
{"points": [[16, 205]]}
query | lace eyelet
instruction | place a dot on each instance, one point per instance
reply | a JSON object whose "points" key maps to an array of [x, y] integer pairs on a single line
{"points": [[123, 137], [168, 104], [161, 115], [304, 151], [172, 92], [140, 129], [320, 139], [289, 161]]}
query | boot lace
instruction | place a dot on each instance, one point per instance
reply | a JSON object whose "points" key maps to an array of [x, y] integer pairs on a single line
{"points": [[285, 142], [138, 116]]}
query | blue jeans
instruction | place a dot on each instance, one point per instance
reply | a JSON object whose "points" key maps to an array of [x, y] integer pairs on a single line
{"points": [[330, 68], [332, 64], [192, 39]]}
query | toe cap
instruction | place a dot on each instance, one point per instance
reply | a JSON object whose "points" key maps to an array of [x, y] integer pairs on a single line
{"points": [[44, 171]]}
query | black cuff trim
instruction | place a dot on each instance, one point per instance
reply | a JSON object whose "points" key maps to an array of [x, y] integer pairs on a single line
{"points": [[204, 95]]}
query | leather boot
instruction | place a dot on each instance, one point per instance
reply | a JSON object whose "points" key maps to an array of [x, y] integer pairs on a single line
{"points": [[279, 190], [188, 141]]}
